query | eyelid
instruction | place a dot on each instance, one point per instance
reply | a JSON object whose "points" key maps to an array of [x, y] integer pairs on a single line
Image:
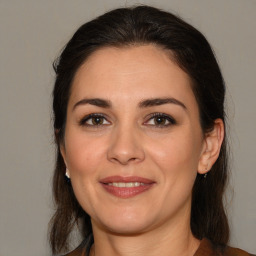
{"points": [[83, 121], [169, 118]]}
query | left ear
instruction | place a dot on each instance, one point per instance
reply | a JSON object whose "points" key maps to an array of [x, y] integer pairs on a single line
{"points": [[211, 148]]}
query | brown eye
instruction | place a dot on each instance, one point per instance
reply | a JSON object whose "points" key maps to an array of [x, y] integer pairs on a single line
{"points": [[94, 120], [160, 120], [97, 120]]}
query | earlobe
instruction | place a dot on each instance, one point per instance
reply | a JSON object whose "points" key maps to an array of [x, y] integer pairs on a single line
{"points": [[63, 153], [60, 144], [212, 145]]}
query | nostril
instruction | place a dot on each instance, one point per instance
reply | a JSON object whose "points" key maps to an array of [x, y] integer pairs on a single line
{"points": [[124, 161]]}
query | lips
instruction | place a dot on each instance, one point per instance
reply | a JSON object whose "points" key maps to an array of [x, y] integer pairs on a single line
{"points": [[126, 187]]}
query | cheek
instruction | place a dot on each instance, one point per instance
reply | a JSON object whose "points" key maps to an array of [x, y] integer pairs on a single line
{"points": [[83, 153], [83, 156], [175, 159], [179, 152]]}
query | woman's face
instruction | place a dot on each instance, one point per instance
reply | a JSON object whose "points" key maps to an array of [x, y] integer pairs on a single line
{"points": [[133, 140]]}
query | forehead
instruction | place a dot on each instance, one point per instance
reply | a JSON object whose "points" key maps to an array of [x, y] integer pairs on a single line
{"points": [[131, 72]]}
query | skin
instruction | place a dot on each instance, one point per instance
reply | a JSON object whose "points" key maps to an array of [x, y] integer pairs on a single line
{"points": [[128, 142]]}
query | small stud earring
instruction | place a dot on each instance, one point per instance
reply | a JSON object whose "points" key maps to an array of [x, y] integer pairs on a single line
{"points": [[67, 174], [206, 169], [67, 177]]}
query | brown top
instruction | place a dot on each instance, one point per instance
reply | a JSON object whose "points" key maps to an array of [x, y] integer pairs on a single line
{"points": [[205, 249]]}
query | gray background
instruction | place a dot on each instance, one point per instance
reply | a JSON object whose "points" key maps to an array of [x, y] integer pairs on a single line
{"points": [[31, 36]]}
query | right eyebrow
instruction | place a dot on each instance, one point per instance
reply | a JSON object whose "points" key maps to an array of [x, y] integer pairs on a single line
{"points": [[95, 101], [161, 101]]}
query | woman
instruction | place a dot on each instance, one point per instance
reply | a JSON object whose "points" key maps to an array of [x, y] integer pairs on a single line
{"points": [[140, 130]]}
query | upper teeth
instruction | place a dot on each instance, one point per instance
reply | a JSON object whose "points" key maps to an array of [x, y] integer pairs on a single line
{"points": [[126, 184]]}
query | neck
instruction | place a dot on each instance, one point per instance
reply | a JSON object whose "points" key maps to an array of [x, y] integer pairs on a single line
{"points": [[165, 240]]}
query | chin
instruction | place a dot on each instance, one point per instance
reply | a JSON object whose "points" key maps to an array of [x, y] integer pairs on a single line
{"points": [[131, 223], [128, 228]]}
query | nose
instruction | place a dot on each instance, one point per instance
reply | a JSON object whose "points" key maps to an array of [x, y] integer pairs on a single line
{"points": [[125, 146]]}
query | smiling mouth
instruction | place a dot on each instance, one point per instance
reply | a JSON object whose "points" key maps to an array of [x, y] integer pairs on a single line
{"points": [[126, 184], [126, 187]]}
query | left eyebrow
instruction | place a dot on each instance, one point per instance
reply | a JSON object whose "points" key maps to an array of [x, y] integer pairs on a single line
{"points": [[95, 101], [161, 101]]}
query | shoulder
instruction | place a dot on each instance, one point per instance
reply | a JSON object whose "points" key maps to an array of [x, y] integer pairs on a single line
{"points": [[208, 248], [230, 251]]}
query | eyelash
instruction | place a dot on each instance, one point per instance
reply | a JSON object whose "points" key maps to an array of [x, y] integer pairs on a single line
{"points": [[91, 116], [168, 118]]}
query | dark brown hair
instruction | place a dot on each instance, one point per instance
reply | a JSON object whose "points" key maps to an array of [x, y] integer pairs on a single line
{"points": [[190, 50]]}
